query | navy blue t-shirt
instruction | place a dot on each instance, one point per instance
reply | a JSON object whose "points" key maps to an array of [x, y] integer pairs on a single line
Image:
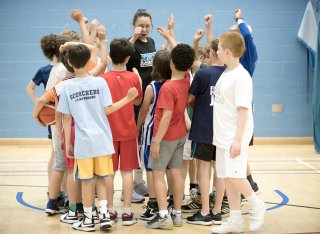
{"points": [[202, 88], [42, 75]]}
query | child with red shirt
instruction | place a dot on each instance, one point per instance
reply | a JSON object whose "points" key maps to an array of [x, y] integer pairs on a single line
{"points": [[169, 136], [123, 126]]}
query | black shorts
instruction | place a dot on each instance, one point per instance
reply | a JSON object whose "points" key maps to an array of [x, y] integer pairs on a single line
{"points": [[49, 132], [203, 151]]}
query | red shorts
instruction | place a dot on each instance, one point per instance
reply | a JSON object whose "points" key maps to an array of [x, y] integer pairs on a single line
{"points": [[69, 161], [129, 156]]}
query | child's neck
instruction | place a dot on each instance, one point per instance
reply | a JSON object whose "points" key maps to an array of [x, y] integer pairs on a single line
{"points": [[178, 75], [81, 72], [119, 67], [214, 61], [232, 64]]}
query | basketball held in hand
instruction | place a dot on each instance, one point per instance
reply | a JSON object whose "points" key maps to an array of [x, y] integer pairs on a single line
{"points": [[47, 114]]}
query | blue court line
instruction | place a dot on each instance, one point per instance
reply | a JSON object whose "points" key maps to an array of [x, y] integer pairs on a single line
{"points": [[19, 198], [285, 200]]}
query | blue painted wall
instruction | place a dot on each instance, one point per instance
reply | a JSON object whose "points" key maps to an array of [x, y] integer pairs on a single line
{"points": [[280, 76]]}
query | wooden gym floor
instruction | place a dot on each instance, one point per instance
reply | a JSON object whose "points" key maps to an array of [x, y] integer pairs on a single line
{"points": [[288, 176]]}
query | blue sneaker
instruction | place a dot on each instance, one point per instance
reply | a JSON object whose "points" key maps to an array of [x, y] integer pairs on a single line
{"points": [[135, 198], [52, 207]]}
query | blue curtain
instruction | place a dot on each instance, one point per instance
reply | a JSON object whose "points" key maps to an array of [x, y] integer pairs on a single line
{"points": [[316, 90]]}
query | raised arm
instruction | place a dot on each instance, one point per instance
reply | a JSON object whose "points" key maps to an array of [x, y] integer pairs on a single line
{"points": [[76, 14], [208, 28], [167, 36]]}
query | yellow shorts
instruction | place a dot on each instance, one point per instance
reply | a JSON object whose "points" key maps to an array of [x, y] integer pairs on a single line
{"points": [[85, 169]]}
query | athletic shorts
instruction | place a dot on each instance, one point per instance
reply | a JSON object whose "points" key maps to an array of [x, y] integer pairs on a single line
{"points": [[187, 150], [87, 168], [144, 154], [170, 155], [231, 168], [203, 151], [125, 157], [59, 163], [69, 161]]}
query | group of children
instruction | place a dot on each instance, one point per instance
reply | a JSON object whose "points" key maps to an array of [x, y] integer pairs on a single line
{"points": [[100, 118]]}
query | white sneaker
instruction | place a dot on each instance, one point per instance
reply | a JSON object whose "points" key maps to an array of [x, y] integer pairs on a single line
{"points": [[69, 217], [229, 226], [86, 224], [257, 216], [105, 222]]}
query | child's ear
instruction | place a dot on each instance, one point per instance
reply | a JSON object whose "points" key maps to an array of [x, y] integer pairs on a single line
{"points": [[126, 60]]}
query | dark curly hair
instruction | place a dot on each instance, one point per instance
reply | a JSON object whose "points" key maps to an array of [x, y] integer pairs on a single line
{"points": [[50, 45], [182, 57]]}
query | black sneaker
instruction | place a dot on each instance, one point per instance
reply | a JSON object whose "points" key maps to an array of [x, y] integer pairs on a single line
{"points": [[170, 205], [61, 199], [216, 218], [113, 216], [151, 211], [105, 222], [197, 218], [192, 205], [255, 188], [212, 199], [52, 207], [80, 208]]}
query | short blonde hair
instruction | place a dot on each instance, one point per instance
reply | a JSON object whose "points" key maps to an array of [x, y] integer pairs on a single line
{"points": [[234, 42], [72, 34]]}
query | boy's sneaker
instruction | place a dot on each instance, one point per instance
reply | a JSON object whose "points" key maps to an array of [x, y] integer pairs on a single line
{"points": [[113, 216], [69, 217], [95, 216], [192, 205], [135, 198], [170, 205], [141, 188], [197, 218], [61, 199], [225, 210], [151, 211], [212, 199], [216, 218], [86, 224], [80, 208], [105, 222], [128, 219], [176, 219], [257, 216], [193, 193], [52, 208], [255, 188], [161, 223], [229, 226]]}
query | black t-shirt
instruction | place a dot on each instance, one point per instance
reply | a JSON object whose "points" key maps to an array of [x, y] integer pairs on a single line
{"points": [[142, 60], [202, 88]]}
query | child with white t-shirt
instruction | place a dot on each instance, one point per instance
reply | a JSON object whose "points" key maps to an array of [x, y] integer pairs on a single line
{"points": [[233, 128]]}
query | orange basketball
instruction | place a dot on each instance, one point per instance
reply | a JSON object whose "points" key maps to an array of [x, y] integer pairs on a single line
{"points": [[47, 114]]}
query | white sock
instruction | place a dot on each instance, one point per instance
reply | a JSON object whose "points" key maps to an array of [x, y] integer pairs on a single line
{"points": [[176, 211], [103, 206], [253, 200], [127, 210], [138, 174], [163, 213], [88, 212], [235, 215]]}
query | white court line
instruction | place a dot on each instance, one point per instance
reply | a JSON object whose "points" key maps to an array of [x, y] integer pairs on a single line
{"points": [[281, 159], [307, 165]]}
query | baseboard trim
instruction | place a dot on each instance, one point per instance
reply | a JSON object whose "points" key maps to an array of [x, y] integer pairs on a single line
{"points": [[40, 142]]}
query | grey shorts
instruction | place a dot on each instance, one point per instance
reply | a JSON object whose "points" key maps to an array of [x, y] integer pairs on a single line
{"points": [[170, 155], [59, 163]]}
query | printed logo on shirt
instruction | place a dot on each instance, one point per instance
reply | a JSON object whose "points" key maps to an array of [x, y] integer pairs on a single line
{"points": [[217, 95], [212, 88], [147, 59], [84, 95]]}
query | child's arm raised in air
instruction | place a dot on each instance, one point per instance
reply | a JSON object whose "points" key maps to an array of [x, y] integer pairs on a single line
{"points": [[162, 129], [167, 36], [132, 94], [76, 14], [208, 28]]}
